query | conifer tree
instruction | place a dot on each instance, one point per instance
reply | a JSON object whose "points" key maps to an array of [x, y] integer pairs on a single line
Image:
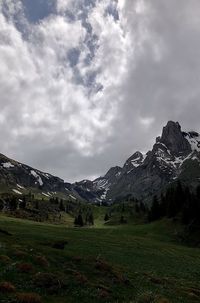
{"points": [[61, 205], [154, 213], [106, 218]]}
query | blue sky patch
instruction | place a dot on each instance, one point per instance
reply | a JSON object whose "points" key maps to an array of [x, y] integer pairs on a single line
{"points": [[38, 9]]}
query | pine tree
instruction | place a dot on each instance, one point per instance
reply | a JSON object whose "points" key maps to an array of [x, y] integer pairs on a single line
{"points": [[13, 204], [142, 207], [123, 220], [23, 203], [154, 213], [75, 221], [36, 204], [79, 220], [91, 219], [137, 208], [106, 218], [61, 205]]}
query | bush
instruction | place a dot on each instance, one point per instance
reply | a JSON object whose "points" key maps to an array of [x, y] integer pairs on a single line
{"points": [[47, 281], [42, 261], [77, 259], [103, 266], [82, 279], [59, 244], [7, 287], [25, 267], [146, 298], [19, 253], [162, 300], [106, 218], [5, 259], [28, 298], [103, 294]]}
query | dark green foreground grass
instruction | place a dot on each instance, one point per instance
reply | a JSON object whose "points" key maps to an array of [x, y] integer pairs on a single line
{"points": [[130, 263]]}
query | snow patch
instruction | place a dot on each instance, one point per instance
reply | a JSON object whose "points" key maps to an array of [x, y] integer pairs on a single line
{"points": [[17, 191], [72, 197], [135, 164], [103, 196], [39, 180], [102, 184], [194, 142], [19, 186], [8, 165], [45, 195]]}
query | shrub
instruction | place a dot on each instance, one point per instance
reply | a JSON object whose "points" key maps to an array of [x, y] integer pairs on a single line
{"points": [[60, 244], [42, 261], [47, 281], [103, 266], [77, 259], [19, 253], [25, 267], [5, 259], [106, 218], [28, 298], [7, 287], [146, 298], [103, 294], [82, 279], [162, 300]]}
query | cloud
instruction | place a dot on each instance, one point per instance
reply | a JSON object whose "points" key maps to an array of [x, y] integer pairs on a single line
{"points": [[42, 101], [89, 81]]}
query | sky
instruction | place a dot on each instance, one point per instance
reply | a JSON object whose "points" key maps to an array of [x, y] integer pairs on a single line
{"points": [[85, 83]]}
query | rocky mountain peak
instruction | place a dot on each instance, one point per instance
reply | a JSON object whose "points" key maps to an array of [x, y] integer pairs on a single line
{"points": [[113, 171], [174, 139], [134, 161]]}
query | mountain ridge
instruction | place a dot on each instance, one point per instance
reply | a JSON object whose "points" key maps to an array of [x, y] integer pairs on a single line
{"points": [[174, 155]]}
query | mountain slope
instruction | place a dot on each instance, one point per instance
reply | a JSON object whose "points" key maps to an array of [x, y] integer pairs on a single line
{"points": [[17, 178], [175, 154]]}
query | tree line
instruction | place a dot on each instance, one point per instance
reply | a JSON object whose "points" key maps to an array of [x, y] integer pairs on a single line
{"points": [[178, 202]]}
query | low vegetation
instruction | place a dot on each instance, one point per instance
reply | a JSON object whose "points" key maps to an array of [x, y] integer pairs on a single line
{"points": [[124, 263]]}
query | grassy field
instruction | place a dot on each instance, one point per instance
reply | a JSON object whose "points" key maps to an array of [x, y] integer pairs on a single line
{"points": [[124, 263]]}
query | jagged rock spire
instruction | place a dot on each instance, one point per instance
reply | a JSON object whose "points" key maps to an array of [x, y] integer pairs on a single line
{"points": [[174, 139]]}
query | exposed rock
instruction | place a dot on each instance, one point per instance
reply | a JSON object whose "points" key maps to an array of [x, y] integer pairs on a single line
{"points": [[174, 139]]}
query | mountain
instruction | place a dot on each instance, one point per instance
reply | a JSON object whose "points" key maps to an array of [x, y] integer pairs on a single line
{"points": [[175, 155], [17, 178]]}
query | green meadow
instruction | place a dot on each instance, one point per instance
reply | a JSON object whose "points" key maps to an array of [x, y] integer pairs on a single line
{"points": [[127, 263]]}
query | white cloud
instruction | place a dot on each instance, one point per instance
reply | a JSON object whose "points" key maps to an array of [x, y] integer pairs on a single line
{"points": [[39, 96]]}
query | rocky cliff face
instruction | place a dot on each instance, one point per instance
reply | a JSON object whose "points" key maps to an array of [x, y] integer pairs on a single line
{"points": [[174, 139]]}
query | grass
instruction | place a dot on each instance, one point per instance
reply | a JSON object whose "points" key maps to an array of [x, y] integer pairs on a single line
{"points": [[124, 263]]}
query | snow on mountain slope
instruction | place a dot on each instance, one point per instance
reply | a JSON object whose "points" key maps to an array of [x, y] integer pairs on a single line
{"points": [[194, 140], [37, 177]]}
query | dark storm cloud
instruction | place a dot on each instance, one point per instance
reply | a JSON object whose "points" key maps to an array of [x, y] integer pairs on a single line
{"points": [[89, 82]]}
